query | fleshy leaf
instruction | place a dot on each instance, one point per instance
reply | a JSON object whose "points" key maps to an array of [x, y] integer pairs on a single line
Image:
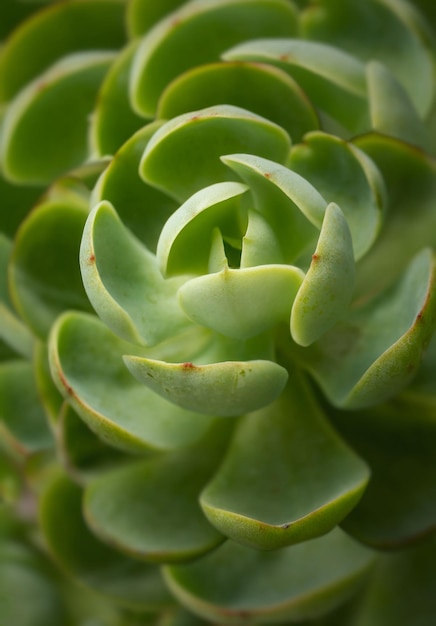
{"points": [[15, 337], [261, 88], [150, 509], [16, 202], [346, 176], [36, 119], [228, 388], [48, 393], [375, 353], [82, 454], [141, 17], [268, 493], [113, 120], [391, 108], [292, 207], [185, 241], [235, 583], [184, 155], [105, 395], [355, 27], [328, 286], [401, 590], [24, 574], [333, 79], [396, 440], [123, 282], [142, 208], [126, 582], [410, 178], [242, 303], [44, 273], [69, 27], [21, 413], [197, 34]]}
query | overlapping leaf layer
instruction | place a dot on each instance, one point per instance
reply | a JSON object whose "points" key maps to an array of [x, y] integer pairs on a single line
{"points": [[218, 312]]}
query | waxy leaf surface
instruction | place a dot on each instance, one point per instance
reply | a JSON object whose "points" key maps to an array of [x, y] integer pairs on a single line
{"points": [[269, 492], [228, 388]]}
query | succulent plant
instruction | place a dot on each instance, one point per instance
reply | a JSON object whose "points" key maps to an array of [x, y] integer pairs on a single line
{"points": [[217, 312]]}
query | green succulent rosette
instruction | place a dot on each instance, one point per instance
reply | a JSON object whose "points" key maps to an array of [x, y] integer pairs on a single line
{"points": [[217, 312]]}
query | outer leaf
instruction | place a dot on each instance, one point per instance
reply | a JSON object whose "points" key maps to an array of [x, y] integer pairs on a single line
{"points": [[15, 337], [410, 177], [355, 27], [16, 202], [82, 454], [150, 509], [86, 363], [333, 79], [123, 282], [21, 413], [44, 274], [36, 119], [235, 583], [397, 441], [268, 493], [69, 26], [82, 556], [242, 303], [183, 156], [24, 575], [197, 34], [328, 286], [263, 89], [392, 111], [401, 591], [225, 389], [113, 120], [375, 354]]}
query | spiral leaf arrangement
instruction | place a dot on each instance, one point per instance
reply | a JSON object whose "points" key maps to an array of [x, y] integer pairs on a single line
{"points": [[217, 311]]}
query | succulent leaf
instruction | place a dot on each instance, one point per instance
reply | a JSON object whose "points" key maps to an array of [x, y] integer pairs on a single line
{"points": [[36, 119], [333, 79], [191, 228], [127, 582], [267, 493], [184, 155], [79, 25], [375, 353], [346, 176], [355, 27], [261, 88], [242, 303], [44, 274], [197, 34], [229, 388], [327, 288], [149, 509], [111, 409], [236, 583], [124, 284], [22, 419], [142, 208]]}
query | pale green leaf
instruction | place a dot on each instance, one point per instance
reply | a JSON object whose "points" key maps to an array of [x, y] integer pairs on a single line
{"points": [[123, 282], [327, 288], [268, 493], [223, 389]]}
